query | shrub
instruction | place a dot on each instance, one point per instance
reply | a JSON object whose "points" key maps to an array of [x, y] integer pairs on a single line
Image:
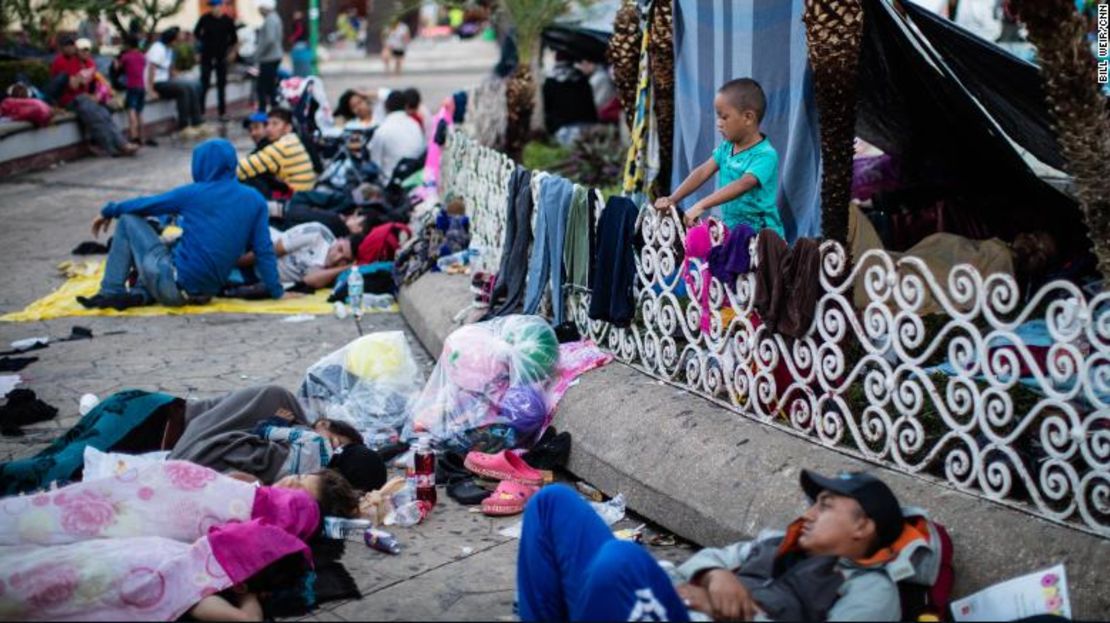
{"points": [[37, 72]]}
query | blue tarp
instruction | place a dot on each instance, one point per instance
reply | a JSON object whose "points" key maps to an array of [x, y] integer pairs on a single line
{"points": [[718, 40]]}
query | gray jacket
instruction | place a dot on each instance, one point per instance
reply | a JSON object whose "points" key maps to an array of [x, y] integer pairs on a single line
{"points": [[835, 590], [269, 39]]}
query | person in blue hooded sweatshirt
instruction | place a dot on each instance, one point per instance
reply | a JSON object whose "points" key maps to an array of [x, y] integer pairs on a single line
{"points": [[222, 219]]}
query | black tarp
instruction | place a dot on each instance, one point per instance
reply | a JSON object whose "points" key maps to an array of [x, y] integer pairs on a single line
{"points": [[585, 32], [951, 107]]}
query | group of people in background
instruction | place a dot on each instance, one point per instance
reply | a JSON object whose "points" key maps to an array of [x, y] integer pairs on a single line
{"points": [[76, 83]]}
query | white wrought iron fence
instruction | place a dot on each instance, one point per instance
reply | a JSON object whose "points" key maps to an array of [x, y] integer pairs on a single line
{"points": [[481, 177], [961, 398]]}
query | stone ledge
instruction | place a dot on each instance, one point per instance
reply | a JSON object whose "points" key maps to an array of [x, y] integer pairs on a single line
{"points": [[25, 147], [713, 476]]}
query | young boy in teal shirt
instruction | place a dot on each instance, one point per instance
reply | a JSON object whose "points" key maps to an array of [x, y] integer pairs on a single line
{"points": [[747, 163]]}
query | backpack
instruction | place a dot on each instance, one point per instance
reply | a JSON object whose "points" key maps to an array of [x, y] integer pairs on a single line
{"points": [[922, 600]]}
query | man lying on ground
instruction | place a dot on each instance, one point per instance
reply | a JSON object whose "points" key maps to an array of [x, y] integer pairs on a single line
{"points": [[222, 220], [830, 564], [264, 432], [285, 157], [309, 254]]}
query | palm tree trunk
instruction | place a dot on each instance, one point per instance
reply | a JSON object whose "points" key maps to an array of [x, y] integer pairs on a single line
{"points": [[1082, 128], [662, 72], [624, 56], [834, 29], [520, 93]]}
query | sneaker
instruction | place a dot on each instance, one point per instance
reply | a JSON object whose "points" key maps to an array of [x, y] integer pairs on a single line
{"points": [[150, 142], [118, 302], [129, 149]]}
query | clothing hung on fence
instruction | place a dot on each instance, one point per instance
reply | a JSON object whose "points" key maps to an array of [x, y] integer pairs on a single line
{"points": [[787, 283], [508, 293], [580, 237], [547, 253], [614, 269], [732, 258]]}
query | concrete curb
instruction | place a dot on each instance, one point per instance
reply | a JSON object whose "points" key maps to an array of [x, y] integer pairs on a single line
{"points": [[713, 476]]}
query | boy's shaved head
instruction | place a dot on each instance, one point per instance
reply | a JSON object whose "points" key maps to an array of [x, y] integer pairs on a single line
{"points": [[745, 94]]}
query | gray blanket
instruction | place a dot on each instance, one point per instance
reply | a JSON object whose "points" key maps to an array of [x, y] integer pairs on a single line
{"points": [[219, 431]]}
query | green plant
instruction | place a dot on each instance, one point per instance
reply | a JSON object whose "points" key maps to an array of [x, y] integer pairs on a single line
{"points": [[596, 156], [35, 71], [38, 19], [540, 156], [184, 56]]}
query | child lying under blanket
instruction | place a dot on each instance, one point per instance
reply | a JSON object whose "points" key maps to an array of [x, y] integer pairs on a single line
{"points": [[158, 541], [263, 431]]}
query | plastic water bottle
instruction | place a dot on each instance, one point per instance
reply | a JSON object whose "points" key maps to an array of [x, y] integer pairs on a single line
{"points": [[354, 291], [408, 514], [377, 301], [341, 528]]}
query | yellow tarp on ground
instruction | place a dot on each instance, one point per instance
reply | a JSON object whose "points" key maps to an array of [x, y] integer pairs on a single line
{"points": [[84, 280]]}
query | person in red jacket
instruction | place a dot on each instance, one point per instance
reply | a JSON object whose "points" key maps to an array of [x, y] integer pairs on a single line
{"points": [[73, 79]]}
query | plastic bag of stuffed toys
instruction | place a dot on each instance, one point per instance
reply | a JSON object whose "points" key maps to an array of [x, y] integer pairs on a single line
{"points": [[487, 391], [369, 383]]}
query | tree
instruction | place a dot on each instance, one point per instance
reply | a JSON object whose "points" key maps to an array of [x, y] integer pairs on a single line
{"points": [[1083, 130], [38, 19], [120, 12], [529, 18], [834, 29]]}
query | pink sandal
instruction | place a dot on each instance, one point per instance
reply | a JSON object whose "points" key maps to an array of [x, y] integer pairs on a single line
{"points": [[504, 465], [508, 498]]}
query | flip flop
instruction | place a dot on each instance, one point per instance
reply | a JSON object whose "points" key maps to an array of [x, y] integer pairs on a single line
{"points": [[467, 492], [508, 498], [504, 465]]}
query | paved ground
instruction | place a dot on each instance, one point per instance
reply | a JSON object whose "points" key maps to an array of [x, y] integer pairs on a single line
{"points": [[454, 566]]}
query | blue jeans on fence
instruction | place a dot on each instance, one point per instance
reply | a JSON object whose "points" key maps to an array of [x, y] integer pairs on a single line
{"points": [[547, 250], [571, 567], [136, 245]]}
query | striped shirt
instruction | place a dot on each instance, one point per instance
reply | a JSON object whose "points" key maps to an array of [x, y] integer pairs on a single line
{"points": [[286, 159]]}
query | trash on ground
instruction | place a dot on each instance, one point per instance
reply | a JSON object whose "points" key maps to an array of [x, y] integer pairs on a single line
{"points": [[1036, 594], [513, 531], [86, 404], [8, 383], [299, 318], [612, 511], [589, 491], [636, 535], [381, 541], [31, 343]]}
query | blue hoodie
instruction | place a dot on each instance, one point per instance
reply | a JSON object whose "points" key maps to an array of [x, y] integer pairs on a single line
{"points": [[223, 219]]}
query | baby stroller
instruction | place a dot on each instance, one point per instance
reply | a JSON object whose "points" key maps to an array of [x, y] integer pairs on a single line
{"points": [[312, 117], [350, 166]]}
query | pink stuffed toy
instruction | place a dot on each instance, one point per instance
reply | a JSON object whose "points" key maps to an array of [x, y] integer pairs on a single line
{"points": [[699, 242]]}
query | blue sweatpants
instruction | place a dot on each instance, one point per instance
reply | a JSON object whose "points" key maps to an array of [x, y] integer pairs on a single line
{"points": [[572, 568]]}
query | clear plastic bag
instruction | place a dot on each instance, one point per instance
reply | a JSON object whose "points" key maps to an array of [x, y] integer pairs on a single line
{"points": [[488, 389], [370, 383]]}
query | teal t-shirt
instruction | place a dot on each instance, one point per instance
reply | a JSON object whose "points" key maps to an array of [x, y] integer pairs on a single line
{"points": [[756, 208]]}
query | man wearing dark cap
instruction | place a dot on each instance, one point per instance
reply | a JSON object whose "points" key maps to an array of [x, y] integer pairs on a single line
{"points": [[839, 561]]}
